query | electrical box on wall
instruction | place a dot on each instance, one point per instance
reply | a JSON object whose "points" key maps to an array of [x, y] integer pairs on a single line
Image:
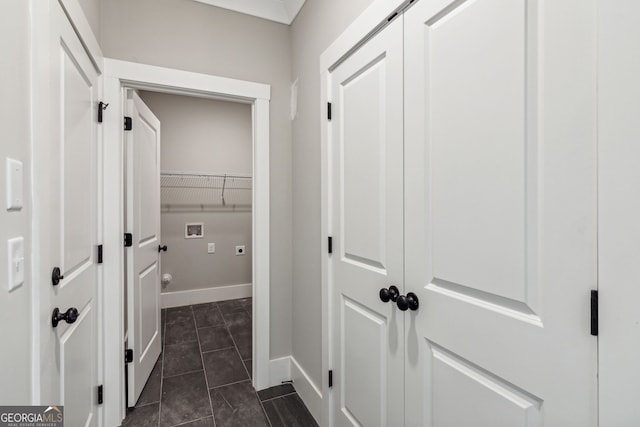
{"points": [[194, 230]]}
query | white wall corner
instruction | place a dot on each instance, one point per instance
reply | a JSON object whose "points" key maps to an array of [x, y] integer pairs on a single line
{"points": [[307, 390], [279, 370]]}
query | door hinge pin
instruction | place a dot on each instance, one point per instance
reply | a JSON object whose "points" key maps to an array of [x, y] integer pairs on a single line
{"points": [[99, 254], [101, 107], [330, 245], [331, 378], [100, 395], [329, 111], [128, 123], [128, 240], [128, 355]]}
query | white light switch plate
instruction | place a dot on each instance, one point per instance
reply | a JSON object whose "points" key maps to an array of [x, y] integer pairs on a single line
{"points": [[14, 185], [15, 252], [211, 248]]}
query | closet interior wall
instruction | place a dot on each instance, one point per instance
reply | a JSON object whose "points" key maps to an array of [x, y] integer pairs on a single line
{"points": [[206, 159]]}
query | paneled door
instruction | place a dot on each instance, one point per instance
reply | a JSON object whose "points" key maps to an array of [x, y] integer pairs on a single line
{"points": [[66, 209], [366, 223], [500, 173], [143, 257]]}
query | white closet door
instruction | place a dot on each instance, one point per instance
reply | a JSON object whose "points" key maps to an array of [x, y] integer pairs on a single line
{"points": [[500, 213], [366, 223], [143, 259]]}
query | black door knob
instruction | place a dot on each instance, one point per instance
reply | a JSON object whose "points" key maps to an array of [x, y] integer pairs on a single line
{"points": [[408, 302], [390, 294], [56, 276], [162, 248], [68, 316]]}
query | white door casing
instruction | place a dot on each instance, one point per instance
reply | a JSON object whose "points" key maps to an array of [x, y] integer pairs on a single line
{"points": [[143, 257], [501, 248], [66, 217], [367, 228]]}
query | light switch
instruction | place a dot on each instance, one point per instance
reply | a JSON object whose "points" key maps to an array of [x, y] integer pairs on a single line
{"points": [[14, 185], [211, 248], [15, 252]]}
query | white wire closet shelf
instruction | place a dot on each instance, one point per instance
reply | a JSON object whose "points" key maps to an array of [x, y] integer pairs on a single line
{"points": [[201, 191]]}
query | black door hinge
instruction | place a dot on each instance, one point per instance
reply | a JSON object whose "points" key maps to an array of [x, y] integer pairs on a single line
{"points": [[331, 378], [128, 124], [100, 395], [99, 254], [128, 355], [128, 240], [329, 111], [101, 107], [594, 313], [330, 244]]}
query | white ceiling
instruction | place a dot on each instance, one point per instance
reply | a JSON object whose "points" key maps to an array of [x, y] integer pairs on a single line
{"points": [[283, 11]]}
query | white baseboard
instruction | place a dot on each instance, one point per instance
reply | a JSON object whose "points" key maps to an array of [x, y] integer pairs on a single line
{"points": [[279, 370], [307, 390], [199, 296]]}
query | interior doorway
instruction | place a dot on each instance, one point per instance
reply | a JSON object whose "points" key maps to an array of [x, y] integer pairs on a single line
{"points": [[119, 77]]}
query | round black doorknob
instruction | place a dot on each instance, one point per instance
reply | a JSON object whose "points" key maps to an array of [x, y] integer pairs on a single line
{"points": [[69, 316], [162, 248], [390, 294], [408, 302], [56, 276]]}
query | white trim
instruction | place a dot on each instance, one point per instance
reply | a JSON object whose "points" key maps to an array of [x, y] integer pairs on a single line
{"points": [[279, 370], [80, 24], [307, 390], [282, 11], [370, 21], [201, 296], [119, 74]]}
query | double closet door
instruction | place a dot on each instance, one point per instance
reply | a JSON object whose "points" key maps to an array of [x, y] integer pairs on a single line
{"points": [[462, 159]]}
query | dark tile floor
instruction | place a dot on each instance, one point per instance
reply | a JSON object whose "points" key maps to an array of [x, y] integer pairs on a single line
{"points": [[202, 377]]}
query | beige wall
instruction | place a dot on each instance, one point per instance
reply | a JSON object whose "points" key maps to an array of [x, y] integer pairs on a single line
{"points": [[193, 36], [91, 10], [317, 25], [203, 135], [15, 307]]}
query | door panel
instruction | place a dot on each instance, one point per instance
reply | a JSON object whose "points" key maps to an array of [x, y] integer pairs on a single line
{"points": [[367, 226], [143, 260], [500, 216], [71, 204]]}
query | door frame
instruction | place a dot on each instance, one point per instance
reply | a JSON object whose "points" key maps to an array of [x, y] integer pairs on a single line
{"points": [[118, 76], [365, 26]]}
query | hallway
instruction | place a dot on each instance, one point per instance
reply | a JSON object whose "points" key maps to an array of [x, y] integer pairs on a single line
{"points": [[202, 377]]}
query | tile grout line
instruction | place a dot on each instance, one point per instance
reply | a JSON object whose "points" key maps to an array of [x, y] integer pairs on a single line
{"points": [[204, 369], [163, 337], [278, 397]]}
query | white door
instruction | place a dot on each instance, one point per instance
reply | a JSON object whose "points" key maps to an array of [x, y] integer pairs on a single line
{"points": [[500, 213], [143, 260], [66, 208], [367, 228]]}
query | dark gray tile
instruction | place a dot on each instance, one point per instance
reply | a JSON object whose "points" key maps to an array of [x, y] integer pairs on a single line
{"points": [[288, 411], [230, 306], [184, 399], [214, 338], [143, 416], [249, 365], [237, 405], [179, 314], [223, 367], [246, 303], [163, 323], [205, 422], [151, 391], [180, 331], [181, 358], [207, 315], [238, 319], [243, 338], [277, 391]]}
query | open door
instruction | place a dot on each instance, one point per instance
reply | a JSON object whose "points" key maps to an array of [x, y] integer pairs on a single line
{"points": [[66, 191], [143, 259]]}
